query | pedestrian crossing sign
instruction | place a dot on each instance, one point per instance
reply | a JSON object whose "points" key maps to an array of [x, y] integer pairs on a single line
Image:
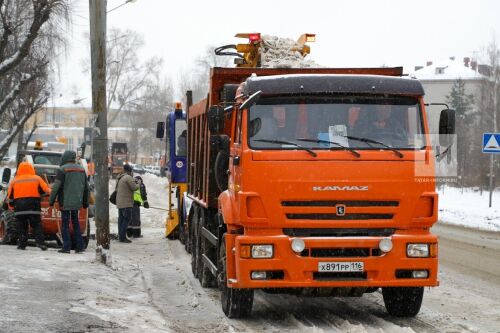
{"points": [[491, 143]]}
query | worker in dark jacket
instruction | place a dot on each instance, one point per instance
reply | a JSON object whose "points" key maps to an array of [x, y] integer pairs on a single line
{"points": [[72, 192], [125, 188], [140, 199], [24, 197]]}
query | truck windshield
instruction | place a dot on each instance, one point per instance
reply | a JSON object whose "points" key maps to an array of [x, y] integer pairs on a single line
{"points": [[336, 122]]}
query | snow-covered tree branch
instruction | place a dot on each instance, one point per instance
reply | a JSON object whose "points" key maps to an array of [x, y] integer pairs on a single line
{"points": [[30, 35]]}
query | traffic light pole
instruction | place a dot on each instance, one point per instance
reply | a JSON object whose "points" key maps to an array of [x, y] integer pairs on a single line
{"points": [[97, 10]]}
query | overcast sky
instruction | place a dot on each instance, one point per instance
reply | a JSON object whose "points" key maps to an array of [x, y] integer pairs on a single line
{"points": [[350, 33]]}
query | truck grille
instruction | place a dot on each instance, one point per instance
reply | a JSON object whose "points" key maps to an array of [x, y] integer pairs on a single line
{"points": [[323, 216], [338, 232], [327, 210]]}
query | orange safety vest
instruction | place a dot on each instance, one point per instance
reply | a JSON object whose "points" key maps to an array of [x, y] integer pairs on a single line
{"points": [[26, 184], [91, 168]]}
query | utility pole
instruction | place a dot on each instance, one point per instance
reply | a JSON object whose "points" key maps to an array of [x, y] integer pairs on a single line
{"points": [[100, 145], [496, 87]]}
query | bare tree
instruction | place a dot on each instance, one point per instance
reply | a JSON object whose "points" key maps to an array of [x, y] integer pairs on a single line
{"points": [[488, 101], [156, 102], [126, 76], [29, 37], [197, 79]]}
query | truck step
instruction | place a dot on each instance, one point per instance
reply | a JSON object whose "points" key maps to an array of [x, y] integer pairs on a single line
{"points": [[209, 236], [209, 264]]}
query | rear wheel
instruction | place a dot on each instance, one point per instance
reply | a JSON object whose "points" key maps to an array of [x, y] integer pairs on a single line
{"points": [[236, 303], [403, 301]]}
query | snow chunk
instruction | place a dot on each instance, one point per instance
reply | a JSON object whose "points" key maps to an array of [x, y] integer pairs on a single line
{"points": [[282, 53]]}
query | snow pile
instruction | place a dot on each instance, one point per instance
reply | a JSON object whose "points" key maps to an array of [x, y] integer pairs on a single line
{"points": [[279, 52], [469, 209]]}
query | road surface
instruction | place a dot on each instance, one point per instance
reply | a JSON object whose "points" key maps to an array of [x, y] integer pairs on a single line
{"points": [[150, 288]]}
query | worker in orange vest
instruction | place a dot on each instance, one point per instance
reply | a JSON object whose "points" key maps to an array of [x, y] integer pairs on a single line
{"points": [[24, 197]]}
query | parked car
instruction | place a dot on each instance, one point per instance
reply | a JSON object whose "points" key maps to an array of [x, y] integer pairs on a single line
{"points": [[139, 169]]}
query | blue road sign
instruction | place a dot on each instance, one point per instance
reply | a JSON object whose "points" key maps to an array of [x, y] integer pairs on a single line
{"points": [[491, 143]]}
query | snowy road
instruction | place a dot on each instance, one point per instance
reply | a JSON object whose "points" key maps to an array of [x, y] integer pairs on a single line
{"points": [[150, 287]]}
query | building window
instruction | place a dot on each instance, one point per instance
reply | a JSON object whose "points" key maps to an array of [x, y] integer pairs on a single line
{"points": [[59, 117], [48, 116], [440, 70], [70, 143]]}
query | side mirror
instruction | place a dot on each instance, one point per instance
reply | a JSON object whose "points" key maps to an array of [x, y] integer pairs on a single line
{"points": [[160, 130], [446, 126], [6, 175], [251, 101], [216, 117]]}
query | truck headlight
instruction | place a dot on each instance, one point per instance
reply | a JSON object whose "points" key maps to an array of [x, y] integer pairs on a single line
{"points": [[417, 250], [262, 251]]}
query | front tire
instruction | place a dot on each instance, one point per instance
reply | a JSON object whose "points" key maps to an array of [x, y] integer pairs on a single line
{"points": [[403, 301], [236, 303]]}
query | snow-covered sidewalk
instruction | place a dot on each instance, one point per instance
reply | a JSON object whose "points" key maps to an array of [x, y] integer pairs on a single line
{"points": [[469, 209]]}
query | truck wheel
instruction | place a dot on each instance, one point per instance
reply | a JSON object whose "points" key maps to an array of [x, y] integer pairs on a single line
{"points": [[403, 301], [194, 242], [236, 303]]}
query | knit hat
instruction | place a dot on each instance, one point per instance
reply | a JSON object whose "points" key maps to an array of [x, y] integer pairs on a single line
{"points": [[127, 168]]}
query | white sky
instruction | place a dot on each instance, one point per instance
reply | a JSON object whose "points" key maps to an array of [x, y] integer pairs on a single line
{"points": [[350, 33]]}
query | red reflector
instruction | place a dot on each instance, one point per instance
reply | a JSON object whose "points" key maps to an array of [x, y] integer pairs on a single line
{"points": [[254, 37]]}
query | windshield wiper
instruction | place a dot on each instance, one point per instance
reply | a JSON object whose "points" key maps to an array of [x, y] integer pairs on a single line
{"points": [[288, 143], [355, 153], [368, 141]]}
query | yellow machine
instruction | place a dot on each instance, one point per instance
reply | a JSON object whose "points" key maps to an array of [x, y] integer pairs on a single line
{"points": [[174, 130], [176, 192]]}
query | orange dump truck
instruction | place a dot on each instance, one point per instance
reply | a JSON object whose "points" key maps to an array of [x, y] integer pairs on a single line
{"points": [[306, 181]]}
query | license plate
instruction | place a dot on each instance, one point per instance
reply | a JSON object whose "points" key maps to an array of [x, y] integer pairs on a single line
{"points": [[343, 266]]}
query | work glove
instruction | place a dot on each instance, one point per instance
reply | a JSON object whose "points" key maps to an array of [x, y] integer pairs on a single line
{"points": [[146, 204]]}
